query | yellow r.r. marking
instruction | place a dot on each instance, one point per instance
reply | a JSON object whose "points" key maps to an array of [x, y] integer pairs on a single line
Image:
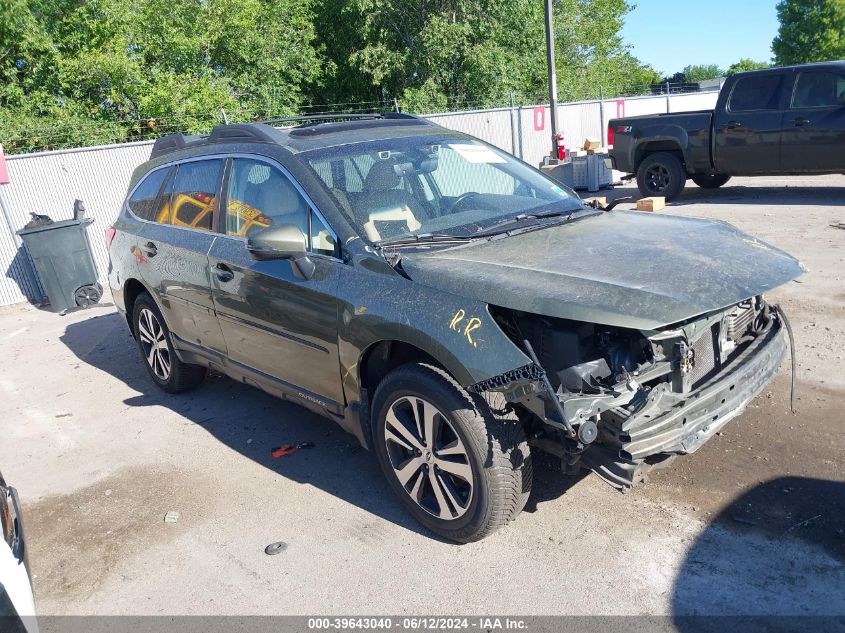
{"points": [[459, 316], [473, 324]]}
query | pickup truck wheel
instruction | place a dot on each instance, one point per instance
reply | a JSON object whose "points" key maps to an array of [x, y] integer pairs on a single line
{"points": [[710, 181], [459, 463], [661, 174], [156, 348]]}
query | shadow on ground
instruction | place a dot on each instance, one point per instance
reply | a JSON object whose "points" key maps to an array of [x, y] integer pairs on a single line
{"points": [[742, 561], [234, 413]]}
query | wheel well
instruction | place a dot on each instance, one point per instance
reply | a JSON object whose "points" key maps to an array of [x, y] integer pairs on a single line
{"points": [[385, 356], [652, 147], [131, 289]]}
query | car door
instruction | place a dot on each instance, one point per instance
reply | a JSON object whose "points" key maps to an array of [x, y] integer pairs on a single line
{"points": [[814, 123], [174, 251], [747, 132], [275, 323]]}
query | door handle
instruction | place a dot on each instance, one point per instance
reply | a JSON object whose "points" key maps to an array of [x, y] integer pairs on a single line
{"points": [[150, 249], [223, 272], [732, 125], [800, 122]]}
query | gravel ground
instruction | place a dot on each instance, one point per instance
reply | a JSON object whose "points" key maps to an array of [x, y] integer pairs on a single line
{"points": [[753, 523]]}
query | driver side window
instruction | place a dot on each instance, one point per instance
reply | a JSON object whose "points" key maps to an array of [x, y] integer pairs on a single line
{"points": [[261, 196], [819, 89]]}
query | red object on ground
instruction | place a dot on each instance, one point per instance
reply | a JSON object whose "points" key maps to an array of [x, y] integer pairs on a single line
{"points": [[289, 449], [4, 170]]}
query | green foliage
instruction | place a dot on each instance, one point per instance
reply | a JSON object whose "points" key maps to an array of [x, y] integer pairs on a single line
{"points": [[455, 54], [745, 64], [115, 70], [75, 72], [696, 73], [810, 31]]}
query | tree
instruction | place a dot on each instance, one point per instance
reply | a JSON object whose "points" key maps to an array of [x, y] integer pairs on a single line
{"points": [[94, 71], [695, 73], [810, 31], [745, 64], [448, 54]]}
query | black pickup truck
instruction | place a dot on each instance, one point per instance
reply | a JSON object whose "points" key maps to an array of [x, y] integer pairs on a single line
{"points": [[788, 120]]}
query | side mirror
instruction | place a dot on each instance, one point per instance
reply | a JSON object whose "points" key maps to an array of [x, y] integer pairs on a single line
{"points": [[284, 241]]}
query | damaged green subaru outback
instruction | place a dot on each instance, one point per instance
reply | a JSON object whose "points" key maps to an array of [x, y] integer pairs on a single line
{"points": [[450, 306]]}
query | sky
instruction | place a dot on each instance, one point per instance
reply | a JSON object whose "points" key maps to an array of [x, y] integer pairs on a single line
{"points": [[671, 34]]}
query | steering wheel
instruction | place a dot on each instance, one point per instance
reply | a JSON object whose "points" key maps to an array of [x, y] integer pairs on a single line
{"points": [[463, 198]]}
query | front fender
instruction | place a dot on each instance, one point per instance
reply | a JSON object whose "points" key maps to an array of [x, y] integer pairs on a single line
{"points": [[456, 331]]}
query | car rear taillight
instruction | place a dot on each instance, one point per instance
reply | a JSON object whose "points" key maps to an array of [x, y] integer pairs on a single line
{"points": [[110, 233], [610, 136]]}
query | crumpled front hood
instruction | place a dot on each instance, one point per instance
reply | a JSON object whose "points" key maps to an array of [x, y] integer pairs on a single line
{"points": [[628, 269]]}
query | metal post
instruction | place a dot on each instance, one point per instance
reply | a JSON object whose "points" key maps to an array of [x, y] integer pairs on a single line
{"points": [[514, 142], [550, 62], [602, 127], [395, 105]]}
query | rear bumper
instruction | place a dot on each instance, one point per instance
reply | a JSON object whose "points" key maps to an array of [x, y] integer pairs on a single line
{"points": [[679, 423]]}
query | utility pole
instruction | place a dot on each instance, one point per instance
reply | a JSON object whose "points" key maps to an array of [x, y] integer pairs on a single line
{"points": [[550, 62]]}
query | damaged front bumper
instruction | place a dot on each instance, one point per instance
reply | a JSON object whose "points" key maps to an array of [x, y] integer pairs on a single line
{"points": [[673, 423]]}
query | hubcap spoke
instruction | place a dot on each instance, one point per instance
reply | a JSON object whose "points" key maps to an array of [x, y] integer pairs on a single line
{"points": [[454, 468], [453, 448], [394, 424], [431, 423], [443, 509], [144, 332], [450, 492], [408, 469], [151, 356], [164, 362], [416, 491]]}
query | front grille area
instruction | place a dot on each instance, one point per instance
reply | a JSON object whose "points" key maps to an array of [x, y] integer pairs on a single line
{"points": [[704, 360]]}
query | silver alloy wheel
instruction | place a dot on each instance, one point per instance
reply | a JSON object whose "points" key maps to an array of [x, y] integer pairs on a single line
{"points": [[428, 457], [154, 343]]}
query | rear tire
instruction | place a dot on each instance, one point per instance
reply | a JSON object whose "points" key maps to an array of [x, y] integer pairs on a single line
{"points": [[661, 174], [459, 462], [156, 347], [710, 181]]}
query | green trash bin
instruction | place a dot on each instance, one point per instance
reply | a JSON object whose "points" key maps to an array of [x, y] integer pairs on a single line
{"points": [[64, 263]]}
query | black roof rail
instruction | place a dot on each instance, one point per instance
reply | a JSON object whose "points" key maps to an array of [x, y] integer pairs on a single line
{"points": [[235, 133], [314, 119]]}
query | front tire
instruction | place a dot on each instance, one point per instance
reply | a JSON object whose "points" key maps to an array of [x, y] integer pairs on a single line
{"points": [[710, 181], [459, 463], [156, 347], [661, 174]]}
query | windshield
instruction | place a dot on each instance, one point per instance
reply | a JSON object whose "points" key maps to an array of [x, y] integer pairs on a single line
{"points": [[437, 184]]}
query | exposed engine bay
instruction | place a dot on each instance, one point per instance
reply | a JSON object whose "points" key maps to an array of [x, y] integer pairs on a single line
{"points": [[619, 401]]}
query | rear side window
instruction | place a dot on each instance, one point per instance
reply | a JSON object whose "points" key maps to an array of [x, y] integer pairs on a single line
{"points": [[819, 89], [756, 92], [143, 199], [193, 199]]}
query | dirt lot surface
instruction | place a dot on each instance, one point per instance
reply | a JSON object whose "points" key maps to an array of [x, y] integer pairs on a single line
{"points": [[753, 523]]}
